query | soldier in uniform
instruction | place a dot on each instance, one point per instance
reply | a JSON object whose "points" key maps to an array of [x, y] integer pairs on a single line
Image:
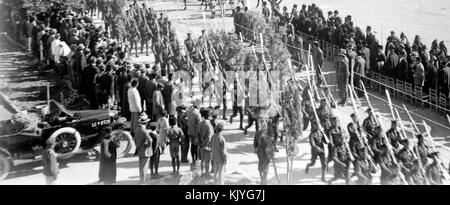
{"points": [[262, 144], [376, 143], [156, 36], [341, 157], [342, 71], [308, 113], [333, 133], [324, 113], [317, 141], [146, 31], [369, 124], [167, 54], [394, 135], [423, 149], [318, 61], [135, 35], [409, 164], [389, 170], [364, 166]]}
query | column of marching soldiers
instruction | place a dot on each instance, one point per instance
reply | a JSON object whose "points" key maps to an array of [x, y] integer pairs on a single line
{"points": [[364, 145]]}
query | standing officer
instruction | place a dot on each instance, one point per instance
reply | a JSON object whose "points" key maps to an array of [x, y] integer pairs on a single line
{"points": [[342, 72], [318, 60]]}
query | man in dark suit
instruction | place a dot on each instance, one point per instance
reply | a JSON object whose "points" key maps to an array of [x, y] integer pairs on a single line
{"points": [[391, 62], [403, 67], [88, 82], [167, 96], [444, 80], [150, 87]]}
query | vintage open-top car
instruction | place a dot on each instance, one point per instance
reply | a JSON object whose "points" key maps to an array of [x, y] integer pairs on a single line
{"points": [[74, 131]]}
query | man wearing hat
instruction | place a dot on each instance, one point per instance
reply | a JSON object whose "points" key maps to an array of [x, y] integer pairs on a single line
{"points": [[108, 155], [317, 141], [408, 163], [340, 156], [49, 162], [144, 148], [194, 118], [342, 70], [403, 71], [419, 72], [364, 167], [433, 173], [394, 135], [370, 123], [423, 149], [380, 59], [377, 142], [78, 65], [391, 61], [389, 170], [158, 102], [219, 155], [351, 55], [318, 60]]}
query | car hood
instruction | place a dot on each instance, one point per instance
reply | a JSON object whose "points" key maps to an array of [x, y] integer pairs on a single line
{"points": [[89, 114]]}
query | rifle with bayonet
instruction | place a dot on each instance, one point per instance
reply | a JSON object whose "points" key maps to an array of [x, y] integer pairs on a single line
{"points": [[361, 131], [444, 173], [403, 134], [135, 26], [388, 144]]}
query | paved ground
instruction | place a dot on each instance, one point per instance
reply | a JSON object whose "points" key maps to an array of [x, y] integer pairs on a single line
{"points": [[242, 159]]}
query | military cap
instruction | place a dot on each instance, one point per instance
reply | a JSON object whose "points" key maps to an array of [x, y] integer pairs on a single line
{"points": [[434, 153], [316, 43], [153, 125], [419, 136], [403, 141], [369, 110]]}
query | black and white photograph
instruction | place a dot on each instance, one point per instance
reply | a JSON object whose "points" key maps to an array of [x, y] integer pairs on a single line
{"points": [[224, 92]]}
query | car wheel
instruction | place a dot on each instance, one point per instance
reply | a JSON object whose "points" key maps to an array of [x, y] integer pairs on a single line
{"points": [[5, 167], [68, 141], [126, 142]]}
